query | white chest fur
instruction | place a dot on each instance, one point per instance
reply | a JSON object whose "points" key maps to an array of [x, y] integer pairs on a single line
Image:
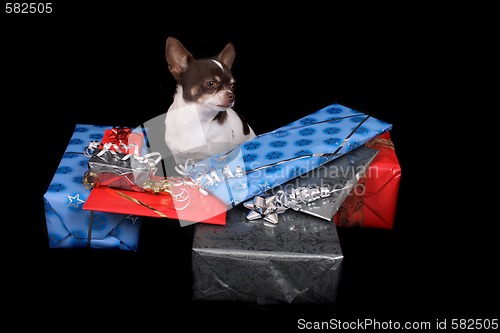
{"points": [[192, 132]]}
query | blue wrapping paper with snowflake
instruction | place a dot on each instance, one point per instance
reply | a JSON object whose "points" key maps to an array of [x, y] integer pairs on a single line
{"points": [[273, 158], [68, 225]]}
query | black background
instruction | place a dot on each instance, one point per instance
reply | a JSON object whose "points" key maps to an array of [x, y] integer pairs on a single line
{"points": [[106, 65]]}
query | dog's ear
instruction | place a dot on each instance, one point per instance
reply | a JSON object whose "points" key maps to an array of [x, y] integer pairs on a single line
{"points": [[227, 55], [178, 58]]}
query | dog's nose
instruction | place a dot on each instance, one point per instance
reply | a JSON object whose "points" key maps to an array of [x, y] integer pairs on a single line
{"points": [[230, 96]]}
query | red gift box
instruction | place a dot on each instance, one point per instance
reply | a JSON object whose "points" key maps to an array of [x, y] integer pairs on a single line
{"points": [[372, 202], [122, 139]]}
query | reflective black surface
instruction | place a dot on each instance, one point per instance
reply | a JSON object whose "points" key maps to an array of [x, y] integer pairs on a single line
{"points": [[439, 260]]}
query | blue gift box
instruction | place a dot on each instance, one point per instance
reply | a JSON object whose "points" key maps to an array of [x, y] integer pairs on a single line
{"points": [[68, 225], [274, 158]]}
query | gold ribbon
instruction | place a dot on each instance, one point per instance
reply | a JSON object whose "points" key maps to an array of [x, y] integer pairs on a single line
{"points": [[380, 143], [140, 203], [159, 186]]}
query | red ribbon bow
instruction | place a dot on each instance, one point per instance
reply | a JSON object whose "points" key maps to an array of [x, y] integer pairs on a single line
{"points": [[120, 133]]}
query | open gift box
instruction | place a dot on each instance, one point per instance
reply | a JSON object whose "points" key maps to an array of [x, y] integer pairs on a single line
{"points": [[68, 225]]}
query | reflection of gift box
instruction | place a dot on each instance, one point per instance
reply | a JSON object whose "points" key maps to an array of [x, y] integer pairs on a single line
{"points": [[68, 225], [298, 260], [372, 203], [275, 157]]}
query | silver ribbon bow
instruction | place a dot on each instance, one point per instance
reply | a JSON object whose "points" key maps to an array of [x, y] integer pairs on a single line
{"points": [[264, 208]]}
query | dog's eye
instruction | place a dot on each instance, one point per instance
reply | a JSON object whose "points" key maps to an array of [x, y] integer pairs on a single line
{"points": [[233, 86], [211, 83]]}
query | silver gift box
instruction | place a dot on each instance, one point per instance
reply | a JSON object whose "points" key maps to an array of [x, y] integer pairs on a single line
{"points": [[297, 260], [119, 170]]}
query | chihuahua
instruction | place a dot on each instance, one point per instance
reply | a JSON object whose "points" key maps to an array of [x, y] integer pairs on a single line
{"points": [[201, 121]]}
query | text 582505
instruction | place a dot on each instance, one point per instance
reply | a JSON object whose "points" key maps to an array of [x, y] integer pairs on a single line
{"points": [[28, 7]]}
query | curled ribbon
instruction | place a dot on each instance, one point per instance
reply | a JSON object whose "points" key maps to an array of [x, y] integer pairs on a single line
{"points": [[131, 149], [268, 208], [165, 186], [206, 177], [94, 144], [151, 158], [193, 178]]}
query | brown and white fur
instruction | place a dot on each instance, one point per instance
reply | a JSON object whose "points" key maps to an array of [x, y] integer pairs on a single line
{"points": [[201, 121]]}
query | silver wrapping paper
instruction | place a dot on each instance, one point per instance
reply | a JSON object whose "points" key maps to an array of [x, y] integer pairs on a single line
{"points": [[111, 169], [340, 176], [298, 260]]}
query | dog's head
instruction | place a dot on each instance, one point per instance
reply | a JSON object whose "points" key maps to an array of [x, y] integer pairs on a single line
{"points": [[208, 81]]}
